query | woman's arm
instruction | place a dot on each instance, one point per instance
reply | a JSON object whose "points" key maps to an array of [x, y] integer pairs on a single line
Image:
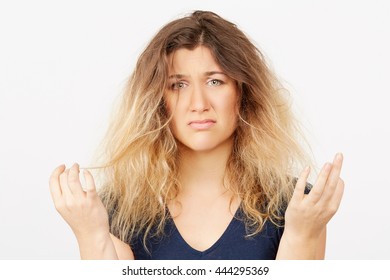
{"points": [[294, 248], [122, 249], [306, 216]]}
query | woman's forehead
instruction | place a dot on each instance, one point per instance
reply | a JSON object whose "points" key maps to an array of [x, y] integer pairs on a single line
{"points": [[186, 60]]}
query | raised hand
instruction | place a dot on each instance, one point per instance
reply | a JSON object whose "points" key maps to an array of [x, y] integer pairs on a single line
{"points": [[307, 215], [81, 209]]}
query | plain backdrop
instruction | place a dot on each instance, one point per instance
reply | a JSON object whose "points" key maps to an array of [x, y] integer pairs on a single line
{"points": [[64, 63]]}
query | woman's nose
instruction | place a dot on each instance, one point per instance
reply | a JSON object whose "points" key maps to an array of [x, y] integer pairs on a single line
{"points": [[198, 100]]}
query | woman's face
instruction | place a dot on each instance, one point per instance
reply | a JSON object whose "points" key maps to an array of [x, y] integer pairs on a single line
{"points": [[202, 100]]}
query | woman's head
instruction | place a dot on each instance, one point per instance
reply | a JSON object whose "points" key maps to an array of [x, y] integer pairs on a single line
{"points": [[235, 54], [229, 46], [144, 115]]}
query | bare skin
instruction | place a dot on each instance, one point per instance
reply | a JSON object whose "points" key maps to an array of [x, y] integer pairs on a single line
{"points": [[202, 211]]}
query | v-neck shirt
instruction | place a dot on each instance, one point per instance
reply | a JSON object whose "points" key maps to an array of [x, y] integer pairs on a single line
{"points": [[233, 244]]}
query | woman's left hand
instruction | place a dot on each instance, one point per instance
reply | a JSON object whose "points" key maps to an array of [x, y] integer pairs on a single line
{"points": [[307, 215]]}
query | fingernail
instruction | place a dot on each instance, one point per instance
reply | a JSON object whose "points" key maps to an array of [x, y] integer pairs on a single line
{"points": [[75, 167]]}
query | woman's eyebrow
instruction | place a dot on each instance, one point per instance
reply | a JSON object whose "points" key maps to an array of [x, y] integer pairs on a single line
{"points": [[177, 76], [208, 73]]}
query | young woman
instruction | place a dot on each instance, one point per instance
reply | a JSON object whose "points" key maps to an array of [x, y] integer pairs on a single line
{"points": [[201, 159]]}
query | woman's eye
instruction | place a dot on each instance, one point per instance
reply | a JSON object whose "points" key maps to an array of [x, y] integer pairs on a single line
{"points": [[215, 82], [177, 85]]}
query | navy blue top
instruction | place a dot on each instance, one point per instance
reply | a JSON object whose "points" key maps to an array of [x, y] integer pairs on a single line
{"points": [[232, 245]]}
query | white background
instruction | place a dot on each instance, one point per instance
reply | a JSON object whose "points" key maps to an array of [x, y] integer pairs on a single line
{"points": [[64, 63]]}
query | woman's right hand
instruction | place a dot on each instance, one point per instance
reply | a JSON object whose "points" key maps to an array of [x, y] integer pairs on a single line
{"points": [[85, 213], [81, 209]]}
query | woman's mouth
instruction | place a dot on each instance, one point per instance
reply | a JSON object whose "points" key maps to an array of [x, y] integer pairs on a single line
{"points": [[202, 124]]}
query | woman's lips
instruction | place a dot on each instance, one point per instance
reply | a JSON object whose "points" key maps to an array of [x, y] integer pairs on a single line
{"points": [[202, 124]]}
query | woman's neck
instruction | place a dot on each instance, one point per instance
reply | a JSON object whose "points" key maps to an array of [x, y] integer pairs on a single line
{"points": [[203, 172]]}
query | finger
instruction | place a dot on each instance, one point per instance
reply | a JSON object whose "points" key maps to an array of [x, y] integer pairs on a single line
{"points": [[299, 190], [74, 180], [318, 188], [333, 178], [337, 196], [54, 184], [64, 184], [90, 187]]}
